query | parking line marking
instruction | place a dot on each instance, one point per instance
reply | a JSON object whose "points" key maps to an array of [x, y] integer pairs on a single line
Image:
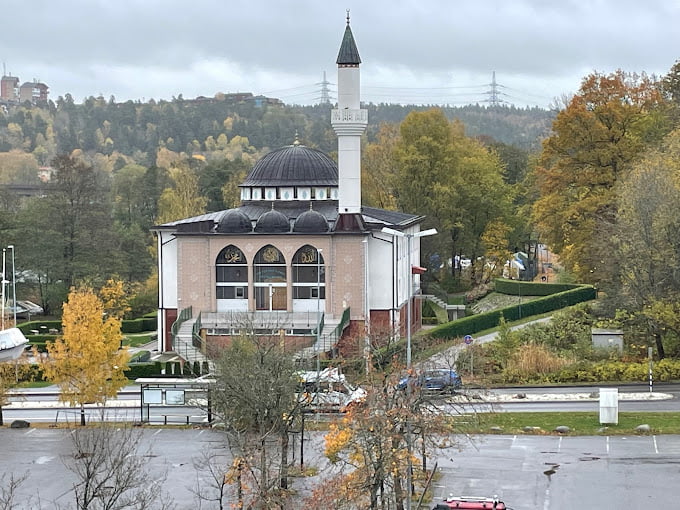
{"points": [[656, 448], [607, 444], [559, 444]]}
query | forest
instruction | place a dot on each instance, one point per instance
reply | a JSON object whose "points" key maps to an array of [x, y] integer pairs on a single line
{"points": [[594, 180]]}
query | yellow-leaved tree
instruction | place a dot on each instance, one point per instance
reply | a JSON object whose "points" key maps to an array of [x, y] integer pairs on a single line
{"points": [[87, 362]]}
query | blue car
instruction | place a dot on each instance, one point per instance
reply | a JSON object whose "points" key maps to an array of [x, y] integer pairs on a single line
{"points": [[442, 380]]}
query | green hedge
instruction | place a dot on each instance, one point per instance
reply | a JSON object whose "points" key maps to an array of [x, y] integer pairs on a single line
{"points": [[136, 370], [27, 327], [488, 320], [520, 288], [146, 323], [133, 326]]}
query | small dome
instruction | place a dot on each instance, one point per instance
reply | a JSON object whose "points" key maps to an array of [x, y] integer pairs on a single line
{"points": [[293, 165], [234, 221], [311, 222], [272, 222]]}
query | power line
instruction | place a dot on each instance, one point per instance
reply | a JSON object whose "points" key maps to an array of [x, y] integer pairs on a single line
{"points": [[493, 93]]}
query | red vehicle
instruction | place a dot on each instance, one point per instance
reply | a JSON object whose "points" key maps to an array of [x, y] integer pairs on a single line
{"points": [[471, 503]]}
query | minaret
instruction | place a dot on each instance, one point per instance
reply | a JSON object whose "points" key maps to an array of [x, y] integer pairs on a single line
{"points": [[349, 122]]}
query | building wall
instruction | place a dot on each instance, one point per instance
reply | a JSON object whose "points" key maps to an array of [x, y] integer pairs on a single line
{"points": [[343, 259]]}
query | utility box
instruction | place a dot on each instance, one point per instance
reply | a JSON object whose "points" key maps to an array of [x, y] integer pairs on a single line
{"points": [[607, 338], [609, 406]]}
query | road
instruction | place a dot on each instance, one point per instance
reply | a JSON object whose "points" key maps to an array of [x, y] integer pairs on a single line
{"points": [[41, 405]]}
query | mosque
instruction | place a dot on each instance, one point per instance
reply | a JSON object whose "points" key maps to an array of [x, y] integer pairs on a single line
{"points": [[301, 258]]}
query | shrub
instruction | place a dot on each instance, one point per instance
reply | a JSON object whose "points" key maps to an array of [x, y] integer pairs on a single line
{"points": [[138, 370], [133, 326], [534, 360]]}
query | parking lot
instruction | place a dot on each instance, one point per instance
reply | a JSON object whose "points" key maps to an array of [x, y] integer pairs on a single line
{"points": [[527, 472], [566, 473]]}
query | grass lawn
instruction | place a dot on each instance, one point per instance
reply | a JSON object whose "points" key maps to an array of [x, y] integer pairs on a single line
{"points": [[137, 339], [580, 423]]}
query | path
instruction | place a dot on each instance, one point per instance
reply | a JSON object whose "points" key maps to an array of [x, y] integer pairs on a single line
{"points": [[447, 358]]}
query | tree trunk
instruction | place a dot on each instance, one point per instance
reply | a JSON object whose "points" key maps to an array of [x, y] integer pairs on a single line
{"points": [[82, 415], [2, 420], [284, 460], [659, 346]]}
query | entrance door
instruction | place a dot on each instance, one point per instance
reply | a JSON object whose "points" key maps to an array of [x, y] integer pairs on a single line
{"points": [[271, 297]]}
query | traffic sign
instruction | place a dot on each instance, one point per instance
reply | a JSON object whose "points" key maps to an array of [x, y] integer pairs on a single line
{"points": [[468, 339]]}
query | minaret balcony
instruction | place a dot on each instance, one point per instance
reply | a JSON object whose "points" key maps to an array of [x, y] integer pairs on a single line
{"points": [[348, 115], [349, 121]]}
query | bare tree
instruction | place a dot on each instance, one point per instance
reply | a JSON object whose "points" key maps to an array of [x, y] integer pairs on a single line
{"points": [[9, 484], [110, 471], [218, 473], [255, 398]]}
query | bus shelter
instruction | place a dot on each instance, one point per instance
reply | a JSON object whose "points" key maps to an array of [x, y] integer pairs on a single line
{"points": [[175, 400]]}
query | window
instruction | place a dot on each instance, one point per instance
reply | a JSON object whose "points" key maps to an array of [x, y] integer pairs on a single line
{"points": [[309, 274], [231, 274]]}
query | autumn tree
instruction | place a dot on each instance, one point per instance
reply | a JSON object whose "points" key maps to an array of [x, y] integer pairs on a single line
{"points": [[645, 247], [378, 169], [87, 362], [452, 180], [595, 138], [376, 442], [183, 199]]}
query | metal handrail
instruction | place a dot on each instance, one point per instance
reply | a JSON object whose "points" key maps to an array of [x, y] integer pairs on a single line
{"points": [[184, 315], [196, 338]]}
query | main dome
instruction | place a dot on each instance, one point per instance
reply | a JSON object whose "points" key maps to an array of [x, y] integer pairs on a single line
{"points": [[293, 165]]}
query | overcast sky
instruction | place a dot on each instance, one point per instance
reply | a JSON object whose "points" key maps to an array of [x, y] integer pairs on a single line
{"points": [[412, 51]]}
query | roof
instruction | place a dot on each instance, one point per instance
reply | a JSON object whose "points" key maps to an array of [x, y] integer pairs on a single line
{"points": [[348, 54], [293, 165], [373, 218]]}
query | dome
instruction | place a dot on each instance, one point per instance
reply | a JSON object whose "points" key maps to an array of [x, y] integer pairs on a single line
{"points": [[234, 221], [272, 222], [311, 222], [293, 165]]}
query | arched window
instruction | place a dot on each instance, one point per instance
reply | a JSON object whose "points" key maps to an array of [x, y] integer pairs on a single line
{"points": [[269, 279], [231, 275], [309, 274]]}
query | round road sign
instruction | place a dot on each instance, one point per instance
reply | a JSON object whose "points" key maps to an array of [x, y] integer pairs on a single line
{"points": [[468, 339]]}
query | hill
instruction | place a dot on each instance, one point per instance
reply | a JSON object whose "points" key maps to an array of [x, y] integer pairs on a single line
{"points": [[136, 131]]}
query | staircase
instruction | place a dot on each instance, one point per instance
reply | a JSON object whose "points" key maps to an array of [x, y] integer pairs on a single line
{"points": [[453, 312], [324, 343], [184, 347]]}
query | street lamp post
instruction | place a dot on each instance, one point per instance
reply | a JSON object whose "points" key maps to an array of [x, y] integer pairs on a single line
{"points": [[409, 237], [14, 286], [318, 317], [2, 292]]}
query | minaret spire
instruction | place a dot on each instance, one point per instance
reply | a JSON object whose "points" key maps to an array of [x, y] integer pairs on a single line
{"points": [[349, 122]]}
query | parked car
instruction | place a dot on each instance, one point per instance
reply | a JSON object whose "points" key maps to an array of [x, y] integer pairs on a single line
{"points": [[328, 391], [442, 380], [470, 503]]}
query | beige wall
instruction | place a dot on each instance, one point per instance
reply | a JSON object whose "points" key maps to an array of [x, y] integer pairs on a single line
{"points": [[343, 257]]}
